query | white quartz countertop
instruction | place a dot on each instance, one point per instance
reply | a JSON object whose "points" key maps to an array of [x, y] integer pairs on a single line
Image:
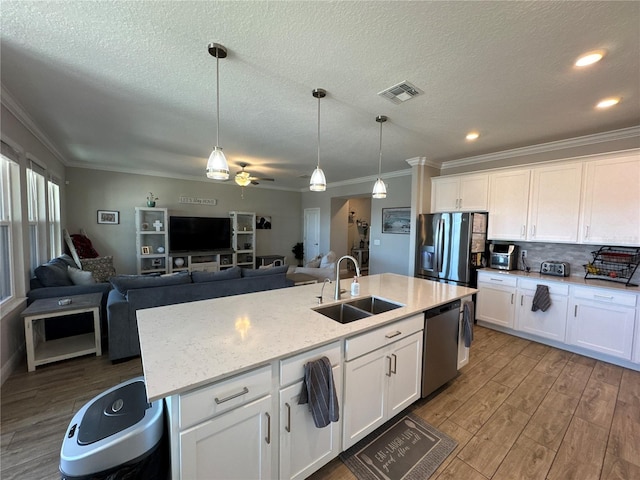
{"points": [[192, 344], [572, 280]]}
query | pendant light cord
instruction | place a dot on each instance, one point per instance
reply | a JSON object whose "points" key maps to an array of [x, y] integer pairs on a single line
{"points": [[217, 101], [318, 131], [380, 160]]}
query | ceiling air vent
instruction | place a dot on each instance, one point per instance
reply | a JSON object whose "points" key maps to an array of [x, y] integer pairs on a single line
{"points": [[401, 92]]}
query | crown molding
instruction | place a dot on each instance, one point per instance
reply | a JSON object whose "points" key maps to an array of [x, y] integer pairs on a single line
{"points": [[586, 140], [21, 115], [370, 178], [420, 161]]}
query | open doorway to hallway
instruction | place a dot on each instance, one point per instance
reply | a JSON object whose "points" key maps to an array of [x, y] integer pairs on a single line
{"points": [[350, 228]]}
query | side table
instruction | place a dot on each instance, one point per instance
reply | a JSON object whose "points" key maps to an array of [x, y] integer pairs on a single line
{"points": [[39, 351]]}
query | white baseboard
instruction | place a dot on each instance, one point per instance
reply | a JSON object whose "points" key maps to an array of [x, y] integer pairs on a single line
{"points": [[10, 366]]}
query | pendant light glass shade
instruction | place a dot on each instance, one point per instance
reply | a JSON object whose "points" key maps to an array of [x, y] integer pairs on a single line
{"points": [[318, 182], [379, 188], [217, 166]]}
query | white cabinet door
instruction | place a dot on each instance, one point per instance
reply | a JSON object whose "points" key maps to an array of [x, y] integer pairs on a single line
{"points": [[508, 204], [473, 193], [602, 327], [405, 385], [611, 201], [459, 193], [554, 206], [495, 302], [304, 448], [444, 194], [365, 384], [234, 445], [550, 324]]}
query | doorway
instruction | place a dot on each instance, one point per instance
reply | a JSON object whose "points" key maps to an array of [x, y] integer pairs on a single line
{"points": [[311, 233]]}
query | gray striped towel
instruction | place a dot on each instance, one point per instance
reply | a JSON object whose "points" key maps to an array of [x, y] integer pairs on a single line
{"points": [[541, 299], [468, 316], [319, 391]]}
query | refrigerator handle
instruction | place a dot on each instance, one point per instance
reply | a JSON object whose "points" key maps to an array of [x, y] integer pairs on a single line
{"points": [[440, 249]]}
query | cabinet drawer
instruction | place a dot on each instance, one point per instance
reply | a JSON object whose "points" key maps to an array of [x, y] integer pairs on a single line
{"points": [[209, 401], [367, 342], [498, 279], [292, 369], [555, 288], [605, 296]]}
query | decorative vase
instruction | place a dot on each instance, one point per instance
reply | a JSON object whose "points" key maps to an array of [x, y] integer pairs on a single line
{"points": [[178, 262], [150, 203]]}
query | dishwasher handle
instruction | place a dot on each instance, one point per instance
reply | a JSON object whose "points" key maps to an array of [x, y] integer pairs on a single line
{"points": [[434, 312]]}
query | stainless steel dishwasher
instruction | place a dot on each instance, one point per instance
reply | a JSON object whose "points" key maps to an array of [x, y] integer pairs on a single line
{"points": [[440, 358]]}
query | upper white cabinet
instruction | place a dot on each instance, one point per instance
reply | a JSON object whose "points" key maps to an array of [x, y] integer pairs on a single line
{"points": [[508, 204], [611, 201], [554, 203], [465, 193]]}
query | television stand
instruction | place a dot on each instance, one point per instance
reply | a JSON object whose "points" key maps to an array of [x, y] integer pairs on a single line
{"points": [[200, 261]]}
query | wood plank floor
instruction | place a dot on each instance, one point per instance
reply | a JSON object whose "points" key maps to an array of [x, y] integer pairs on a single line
{"points": [[519, 410]]}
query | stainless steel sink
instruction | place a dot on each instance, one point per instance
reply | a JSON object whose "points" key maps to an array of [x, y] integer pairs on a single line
{"points": [[356, 309], [373, 305]]}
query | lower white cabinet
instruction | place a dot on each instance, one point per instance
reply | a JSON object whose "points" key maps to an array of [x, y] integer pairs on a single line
{"points": [[496, 298], [603, 321], [551, 324], [463, 352], [234, 445], [383, 382], [305, 448]]}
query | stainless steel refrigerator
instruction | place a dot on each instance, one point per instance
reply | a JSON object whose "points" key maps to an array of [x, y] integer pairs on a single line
{"points": [[450, 246]]}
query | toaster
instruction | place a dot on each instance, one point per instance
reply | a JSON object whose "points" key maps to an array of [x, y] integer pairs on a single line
{"points": [[551, 267]]}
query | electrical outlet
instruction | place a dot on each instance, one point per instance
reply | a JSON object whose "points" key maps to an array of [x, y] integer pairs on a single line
{"points": [[524, 253]]}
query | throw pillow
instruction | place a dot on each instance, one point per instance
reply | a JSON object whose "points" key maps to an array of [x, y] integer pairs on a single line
{"points": [[315, 263], [101, 267], [80, 277], [246, 272], [124, 283], [53, 274], [328, 260], [68, 260], [228, 274]]}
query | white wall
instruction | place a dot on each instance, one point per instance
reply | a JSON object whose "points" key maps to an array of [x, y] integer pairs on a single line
{"points": [[392, 255], [92, 190]]}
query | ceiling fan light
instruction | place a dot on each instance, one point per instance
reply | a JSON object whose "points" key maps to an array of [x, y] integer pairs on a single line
{"points": [[217, 167], [243, 178], [318, 182], [379, 189]]}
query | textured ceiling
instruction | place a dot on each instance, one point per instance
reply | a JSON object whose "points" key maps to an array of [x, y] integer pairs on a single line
{"points": [[130, 86]]}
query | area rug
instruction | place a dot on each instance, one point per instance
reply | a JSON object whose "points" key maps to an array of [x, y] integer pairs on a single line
{"points": [[404, 448]]}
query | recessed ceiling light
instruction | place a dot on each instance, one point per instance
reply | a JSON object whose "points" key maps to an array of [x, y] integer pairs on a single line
{"points": [[608, 102], [590, 58], [472, 136]]}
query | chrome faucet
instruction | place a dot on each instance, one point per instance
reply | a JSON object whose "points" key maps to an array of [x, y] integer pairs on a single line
{"points": [[319, 297], [355, 262]]}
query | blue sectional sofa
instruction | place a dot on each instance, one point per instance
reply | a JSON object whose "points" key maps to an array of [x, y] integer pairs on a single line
{"points": [[131, 293]]}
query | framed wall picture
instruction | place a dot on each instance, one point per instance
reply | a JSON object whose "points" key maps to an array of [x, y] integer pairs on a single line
{"points": [[110, 217], [145, 250], [396, 220]]}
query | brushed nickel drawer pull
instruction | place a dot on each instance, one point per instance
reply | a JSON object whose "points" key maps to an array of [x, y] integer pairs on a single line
{"points": [[268, 437], [288, 425], [606, 297], [395, 362], [231, 397], [394, 334]]}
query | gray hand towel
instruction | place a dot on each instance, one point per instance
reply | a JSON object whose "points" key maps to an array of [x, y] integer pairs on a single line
{"points": [[318, 389], [541, 299], [468, 316]]}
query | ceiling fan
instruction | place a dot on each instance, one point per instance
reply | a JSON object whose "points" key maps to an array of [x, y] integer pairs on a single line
{"points": [[244, 178]]}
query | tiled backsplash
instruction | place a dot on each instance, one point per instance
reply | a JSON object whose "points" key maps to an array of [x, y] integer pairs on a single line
{"points": [[576, 255]]}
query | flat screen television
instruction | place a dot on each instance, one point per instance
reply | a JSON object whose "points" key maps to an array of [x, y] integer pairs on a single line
{"points": [[199, 234]]}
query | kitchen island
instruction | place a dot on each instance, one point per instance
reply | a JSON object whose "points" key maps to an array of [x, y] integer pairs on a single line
{"points": [[246, 351]]}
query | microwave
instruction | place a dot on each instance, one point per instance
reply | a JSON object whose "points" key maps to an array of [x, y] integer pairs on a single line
{"points": [[503, 257]]}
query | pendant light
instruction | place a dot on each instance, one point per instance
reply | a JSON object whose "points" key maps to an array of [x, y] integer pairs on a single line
{"points": [[379, 188], [318, 182], [217, 166]]}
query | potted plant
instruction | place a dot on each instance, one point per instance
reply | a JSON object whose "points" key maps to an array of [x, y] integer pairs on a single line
{"points": [[151, 200], [298, 252]]}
